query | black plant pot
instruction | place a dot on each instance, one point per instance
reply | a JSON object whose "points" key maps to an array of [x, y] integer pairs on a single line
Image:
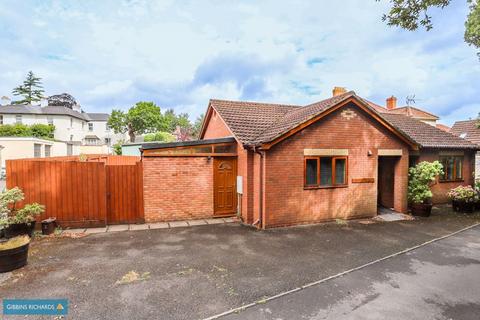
{"points": [[48, 226], [421, 209], [12, 259], [18, 229], [456, 205], [467, 207]]}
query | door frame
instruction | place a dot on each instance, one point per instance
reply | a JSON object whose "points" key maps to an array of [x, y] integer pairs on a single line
{"points": [[235, 196]]}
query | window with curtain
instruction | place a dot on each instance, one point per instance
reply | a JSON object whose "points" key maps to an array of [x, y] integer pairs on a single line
{"points": [[452, 168], [325, 172]]}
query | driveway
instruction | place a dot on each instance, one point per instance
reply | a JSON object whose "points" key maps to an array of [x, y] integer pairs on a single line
{"points": [[437, 281], [201, 271]]}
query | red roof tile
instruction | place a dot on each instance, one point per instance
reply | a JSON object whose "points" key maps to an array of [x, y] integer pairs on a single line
{"points": [[255, 123], [468, 130]]}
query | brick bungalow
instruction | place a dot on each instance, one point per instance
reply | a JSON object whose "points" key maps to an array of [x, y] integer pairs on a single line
{"points": [[279, 165]]}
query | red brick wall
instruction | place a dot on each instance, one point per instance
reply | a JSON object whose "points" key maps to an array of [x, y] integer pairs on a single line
{"points": [[177, 188], [286, 200], [440, 189], [216, 128]]}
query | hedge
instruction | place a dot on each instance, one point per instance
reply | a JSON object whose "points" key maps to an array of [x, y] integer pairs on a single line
{"points": [[44, 131]]}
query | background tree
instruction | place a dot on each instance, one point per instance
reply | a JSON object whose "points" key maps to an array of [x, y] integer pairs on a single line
{"points": [[410, 14], [197, 126], [142, 118], [160, 136], [31, 90]]}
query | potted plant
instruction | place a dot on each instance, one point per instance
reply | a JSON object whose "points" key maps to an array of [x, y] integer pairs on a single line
{"points": [[420, 179], [463, 198], [17, 221], [13, 253]]}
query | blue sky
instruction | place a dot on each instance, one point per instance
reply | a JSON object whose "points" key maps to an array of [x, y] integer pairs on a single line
{"points": [[179, 54]]}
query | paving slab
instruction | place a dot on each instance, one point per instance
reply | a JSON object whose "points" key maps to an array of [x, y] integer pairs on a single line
{"points": [[159, 225], [96, 230], [119, 227], [79, 230], [229, 220], [197, 222], [177, 224], [142, 226], [214, 221]]}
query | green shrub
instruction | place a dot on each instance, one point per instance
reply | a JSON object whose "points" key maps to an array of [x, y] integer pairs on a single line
{"points": [[44, 131], [10, 214], [420, 178], [117, 147], [160, 136]]}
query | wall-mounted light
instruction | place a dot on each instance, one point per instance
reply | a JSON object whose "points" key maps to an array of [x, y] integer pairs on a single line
{"points": [[209, 158], [369, 153]]}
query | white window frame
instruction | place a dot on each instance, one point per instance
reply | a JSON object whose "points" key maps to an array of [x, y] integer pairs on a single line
{"points": [[35, 146], [90, 126], [18, 119]]}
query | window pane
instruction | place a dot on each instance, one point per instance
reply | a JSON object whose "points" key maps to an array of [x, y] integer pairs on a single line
{"points": [[311, 172], [325, 171], [450, 165], [340, 166], [47, 150], [230, 148], [458, 164], [37, 153]]}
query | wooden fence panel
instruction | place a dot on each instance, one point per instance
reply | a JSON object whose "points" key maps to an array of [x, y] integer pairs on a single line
{"points": [[73, 192]]}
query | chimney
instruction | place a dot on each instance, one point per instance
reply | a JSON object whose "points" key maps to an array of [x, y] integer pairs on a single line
{"points": [[338, 91], [391, 103]]}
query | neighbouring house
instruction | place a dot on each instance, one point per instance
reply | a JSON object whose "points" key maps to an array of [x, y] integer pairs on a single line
{"points": [[470, 130], [279, 165], [87, 130], [31, 147]]}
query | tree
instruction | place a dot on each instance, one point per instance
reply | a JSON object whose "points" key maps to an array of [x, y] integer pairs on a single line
{"points": [[142, 118], [31, 90], [197, 126], [410, 14], [160, 136]]}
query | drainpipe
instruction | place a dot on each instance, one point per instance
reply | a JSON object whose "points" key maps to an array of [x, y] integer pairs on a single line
{"points": [[260, 222]]}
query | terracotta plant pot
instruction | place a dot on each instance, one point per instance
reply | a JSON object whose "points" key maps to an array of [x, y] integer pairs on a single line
{"points": [[421, 209], [19, 229], [12, 259]]}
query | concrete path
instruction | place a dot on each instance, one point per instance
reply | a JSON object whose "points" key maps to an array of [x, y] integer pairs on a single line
{"points": [[157, 225], [438, 281]]}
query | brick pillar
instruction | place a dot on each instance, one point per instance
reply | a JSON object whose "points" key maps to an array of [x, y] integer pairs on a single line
{"points": [[401, 184]]}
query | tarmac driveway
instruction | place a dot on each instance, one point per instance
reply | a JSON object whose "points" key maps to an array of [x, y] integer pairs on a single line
{"points": [[200, 271]]}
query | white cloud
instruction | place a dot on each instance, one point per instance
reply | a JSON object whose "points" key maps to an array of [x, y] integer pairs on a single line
{"points": [[179, 54]]}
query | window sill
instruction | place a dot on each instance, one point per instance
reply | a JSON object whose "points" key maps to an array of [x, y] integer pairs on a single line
{"points": [[450, 181], [325, 187]]}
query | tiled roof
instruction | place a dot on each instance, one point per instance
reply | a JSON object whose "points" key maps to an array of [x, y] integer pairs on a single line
{"points": [[299, 115], [97, 116], [255, 123], [413, 112], [427, 136], [468, 128], [248, 120], [52, 110], [443, 127]]}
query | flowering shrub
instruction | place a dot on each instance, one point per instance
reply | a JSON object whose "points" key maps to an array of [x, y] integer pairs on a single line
{"points": [[9, 214], [420, 178], [464, 194]]}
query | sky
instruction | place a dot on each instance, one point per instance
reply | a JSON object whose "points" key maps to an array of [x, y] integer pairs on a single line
{"points": [[180, 54]]}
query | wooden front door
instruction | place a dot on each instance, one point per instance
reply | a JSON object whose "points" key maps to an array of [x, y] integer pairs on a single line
{"points": [[224, 186]]}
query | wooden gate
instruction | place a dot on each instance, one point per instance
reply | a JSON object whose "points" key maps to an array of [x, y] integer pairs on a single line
{"points": [[81, 193], [124, 194]]}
